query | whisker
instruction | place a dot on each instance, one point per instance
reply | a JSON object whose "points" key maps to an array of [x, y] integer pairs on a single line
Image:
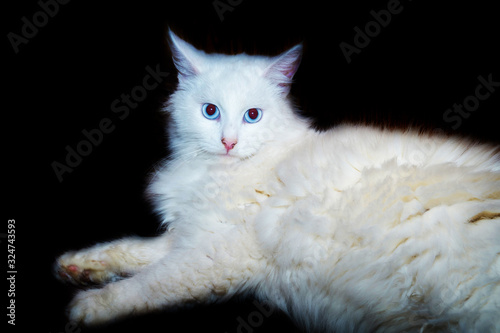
{"points": [[180, 160]]}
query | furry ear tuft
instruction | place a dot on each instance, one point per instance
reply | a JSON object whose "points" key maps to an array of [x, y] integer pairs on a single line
{"points": [[284, 67], [184, 55]]}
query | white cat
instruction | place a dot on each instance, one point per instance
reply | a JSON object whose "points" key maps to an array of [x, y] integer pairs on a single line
{"points": [[351, 230]]}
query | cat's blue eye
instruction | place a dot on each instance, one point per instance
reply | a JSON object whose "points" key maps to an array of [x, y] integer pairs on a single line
{"points": [[253, 115], [210, 111]]}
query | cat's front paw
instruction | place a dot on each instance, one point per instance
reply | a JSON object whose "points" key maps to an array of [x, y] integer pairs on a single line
{"points": [[90, 307], [81, 269]]}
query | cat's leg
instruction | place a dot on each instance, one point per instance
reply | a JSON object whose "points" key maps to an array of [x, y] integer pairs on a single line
{"points": [[183, 277], [110, 261]]}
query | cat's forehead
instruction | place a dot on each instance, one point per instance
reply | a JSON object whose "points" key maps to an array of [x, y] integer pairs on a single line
{"points": [[234, 78], [240, 64]]}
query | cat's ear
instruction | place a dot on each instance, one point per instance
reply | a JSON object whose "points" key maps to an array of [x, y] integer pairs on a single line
{"points": [[185, 56], [284, 66]]}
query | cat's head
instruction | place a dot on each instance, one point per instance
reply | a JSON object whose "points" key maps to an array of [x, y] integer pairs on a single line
{"points": [[230, 105]]}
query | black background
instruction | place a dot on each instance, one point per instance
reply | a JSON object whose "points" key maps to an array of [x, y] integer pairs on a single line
{"points": [[66, 77]]}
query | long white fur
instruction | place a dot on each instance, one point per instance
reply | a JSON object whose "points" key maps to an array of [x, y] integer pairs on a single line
{"points": [[355, 229]]}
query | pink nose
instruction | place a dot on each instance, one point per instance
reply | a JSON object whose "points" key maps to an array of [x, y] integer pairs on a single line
{"points": [[229, 143]]}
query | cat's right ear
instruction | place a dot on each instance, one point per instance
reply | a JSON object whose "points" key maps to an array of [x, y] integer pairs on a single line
{"points": [[284, 66], [184, 55]]}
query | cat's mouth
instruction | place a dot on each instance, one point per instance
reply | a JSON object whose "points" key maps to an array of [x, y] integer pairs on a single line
{"points": [[229, 155], [232, 156]]}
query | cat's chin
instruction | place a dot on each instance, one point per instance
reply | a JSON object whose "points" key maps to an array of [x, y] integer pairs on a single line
{"points": [[229, 157]]}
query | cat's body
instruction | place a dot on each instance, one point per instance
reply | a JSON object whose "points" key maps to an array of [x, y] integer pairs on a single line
{"points": [[351, 230]]}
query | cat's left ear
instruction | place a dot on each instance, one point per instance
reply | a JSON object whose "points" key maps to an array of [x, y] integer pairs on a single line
{"points": [[186, 57], [284, 66]]}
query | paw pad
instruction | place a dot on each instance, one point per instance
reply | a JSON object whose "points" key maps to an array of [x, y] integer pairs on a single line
{"points": [[84, 272]]}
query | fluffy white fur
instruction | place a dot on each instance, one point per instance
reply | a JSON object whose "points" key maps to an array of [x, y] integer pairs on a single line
{"points": [[351, 230]]}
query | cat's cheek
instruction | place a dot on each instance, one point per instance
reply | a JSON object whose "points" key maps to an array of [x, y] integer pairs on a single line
{"points": [[245, 152], [251, 146]]}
